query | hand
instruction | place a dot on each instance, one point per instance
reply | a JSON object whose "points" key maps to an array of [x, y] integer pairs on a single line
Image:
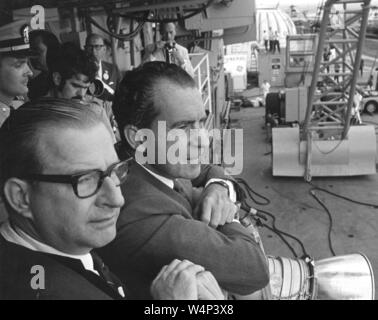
{"points": [[208, 288], [215, 207], [177, 281], [157, 46], [178, 57]]}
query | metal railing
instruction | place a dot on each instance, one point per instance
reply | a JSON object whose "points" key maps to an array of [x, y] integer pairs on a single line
{"points": [[200, 62]]}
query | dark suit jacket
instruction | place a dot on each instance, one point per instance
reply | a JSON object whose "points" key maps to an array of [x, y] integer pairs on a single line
{"points": [[156, 226], [65, 278], [111, 76]]}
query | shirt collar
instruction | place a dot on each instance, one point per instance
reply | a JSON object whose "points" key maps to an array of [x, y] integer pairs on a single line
{"points": [[99, 72], [168, 182], [3, 104], [19, 237]]}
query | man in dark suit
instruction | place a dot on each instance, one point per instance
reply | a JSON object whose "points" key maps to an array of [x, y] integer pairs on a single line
{"points": [[175, 209], [107, 72], [60, 178]]}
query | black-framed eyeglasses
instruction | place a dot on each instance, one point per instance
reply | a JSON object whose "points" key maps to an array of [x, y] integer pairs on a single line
{"points": [[87, 183], [94, 46]]}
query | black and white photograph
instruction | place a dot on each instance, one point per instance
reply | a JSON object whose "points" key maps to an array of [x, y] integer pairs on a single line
{"points": [[210, 151]]}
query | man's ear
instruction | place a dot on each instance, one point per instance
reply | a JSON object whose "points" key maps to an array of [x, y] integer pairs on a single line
{"points": [[130, 132], [16, 192], [57, 78]]}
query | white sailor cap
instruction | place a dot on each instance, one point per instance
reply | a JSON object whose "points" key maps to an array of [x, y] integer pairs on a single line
{"points": [[14, 39]]}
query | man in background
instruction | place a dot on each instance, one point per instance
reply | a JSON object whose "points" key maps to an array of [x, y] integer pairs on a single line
{"points": [[72, 75], [266, 41], [107, 72], [276, 42], [15, 72], [271, 40], [168, 50], [265, 87]]}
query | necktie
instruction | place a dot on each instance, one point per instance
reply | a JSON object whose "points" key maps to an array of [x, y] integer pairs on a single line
{"points": [[168, 56], [106, 275]]}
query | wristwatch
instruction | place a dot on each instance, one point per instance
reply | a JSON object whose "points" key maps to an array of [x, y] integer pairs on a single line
{"points": [[220, 182]]}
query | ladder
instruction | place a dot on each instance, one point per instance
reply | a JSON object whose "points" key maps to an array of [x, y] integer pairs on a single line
{"points": [[329, 108]]}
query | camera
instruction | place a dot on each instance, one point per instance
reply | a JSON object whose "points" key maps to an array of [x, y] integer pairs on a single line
{"points": [[96, 88], [170, 46]]}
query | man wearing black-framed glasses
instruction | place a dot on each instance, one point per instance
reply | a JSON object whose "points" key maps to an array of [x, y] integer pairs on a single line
{"points": [[60, 178], [87, 183]]}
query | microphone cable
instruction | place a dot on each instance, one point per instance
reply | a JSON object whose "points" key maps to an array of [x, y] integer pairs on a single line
{"points": [[259, 215], [312, 192]]}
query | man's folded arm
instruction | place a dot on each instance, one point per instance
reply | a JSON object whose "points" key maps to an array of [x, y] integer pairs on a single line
{"points": [[230, 253]]}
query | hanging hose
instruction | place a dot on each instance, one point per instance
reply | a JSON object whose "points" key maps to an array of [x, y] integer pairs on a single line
{"points": [[122, 37], [168, 20]]}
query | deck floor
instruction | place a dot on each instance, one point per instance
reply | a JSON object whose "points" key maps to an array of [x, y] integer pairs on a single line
{"points": [[355, 227]]}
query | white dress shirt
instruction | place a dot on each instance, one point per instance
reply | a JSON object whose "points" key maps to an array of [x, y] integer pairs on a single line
{"points": [[168, 182]]}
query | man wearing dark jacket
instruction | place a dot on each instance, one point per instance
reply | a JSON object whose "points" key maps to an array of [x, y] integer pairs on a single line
{"points": [[175, 209], [60, 178], [107, 72]]}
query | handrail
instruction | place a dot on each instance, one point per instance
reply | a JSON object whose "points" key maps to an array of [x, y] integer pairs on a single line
{"points": [[203, 83]]}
